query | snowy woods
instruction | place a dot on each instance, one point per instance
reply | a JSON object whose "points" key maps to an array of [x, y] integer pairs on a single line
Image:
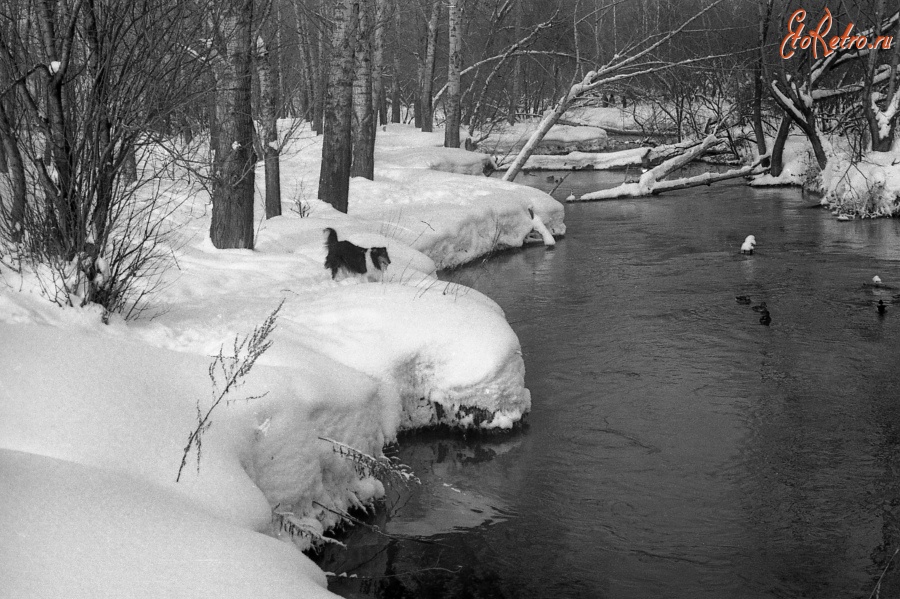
{"points": [[167, 168]]}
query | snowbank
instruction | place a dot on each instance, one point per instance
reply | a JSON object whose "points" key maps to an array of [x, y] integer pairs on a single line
{"points": [[867, 188], [799, 165], [561, 139], [581, 161], [95, 419]]}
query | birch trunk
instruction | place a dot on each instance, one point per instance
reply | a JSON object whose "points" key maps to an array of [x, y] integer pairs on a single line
{"points": [[233, 176], [268, 106], [378, 100], [451, 127], [363, 128], [395, 81], [545, 125], [334, 176], [428, 69]]}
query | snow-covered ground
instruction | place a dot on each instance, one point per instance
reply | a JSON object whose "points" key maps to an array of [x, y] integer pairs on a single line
{"points": [[508, 139], [869, 187], [95, 419]]}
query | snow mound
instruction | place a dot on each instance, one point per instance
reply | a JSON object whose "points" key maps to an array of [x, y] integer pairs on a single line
{"points": [[85, 532], [561, 139]]}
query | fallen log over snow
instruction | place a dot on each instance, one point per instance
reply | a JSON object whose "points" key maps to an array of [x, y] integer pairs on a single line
{"points": [[650, 182], [581, 161]]}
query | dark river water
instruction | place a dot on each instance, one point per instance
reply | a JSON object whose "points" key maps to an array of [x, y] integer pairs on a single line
{"points": [[676, 448]]}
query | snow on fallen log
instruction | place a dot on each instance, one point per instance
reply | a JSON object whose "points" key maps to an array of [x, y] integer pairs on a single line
{"points": [[651, 182], [600, 161], [541, 229]]}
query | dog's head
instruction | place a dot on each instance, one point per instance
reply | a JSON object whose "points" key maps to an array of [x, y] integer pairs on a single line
{"points": [[380, 258]]}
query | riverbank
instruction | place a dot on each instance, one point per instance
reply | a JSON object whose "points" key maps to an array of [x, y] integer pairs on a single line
{"points": [[96, 419]]}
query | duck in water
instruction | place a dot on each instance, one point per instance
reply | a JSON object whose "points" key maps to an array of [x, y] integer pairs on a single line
{"points": [[760, 308], [881, 308], [765, 318], [742, 299]]}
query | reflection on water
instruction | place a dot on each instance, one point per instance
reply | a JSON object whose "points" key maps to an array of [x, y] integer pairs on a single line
{"points": [[676, 447]]}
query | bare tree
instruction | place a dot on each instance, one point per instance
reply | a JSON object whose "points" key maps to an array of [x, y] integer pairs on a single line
{"points": [[426, 77], [395, 79], [451, 127], [363, 121], [623, 65], [334, 176], [378, 99], [268, 100], [85, 88], [882, 121], [765, 14], [234, 163]]}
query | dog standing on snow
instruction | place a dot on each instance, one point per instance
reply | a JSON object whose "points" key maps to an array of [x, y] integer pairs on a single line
{"points": [[347, 259]]}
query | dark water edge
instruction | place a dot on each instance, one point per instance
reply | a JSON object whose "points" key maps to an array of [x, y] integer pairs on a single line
{"points": [[676, 446]]}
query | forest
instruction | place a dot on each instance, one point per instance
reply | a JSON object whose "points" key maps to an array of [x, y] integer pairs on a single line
{"points": [[98, 99]]}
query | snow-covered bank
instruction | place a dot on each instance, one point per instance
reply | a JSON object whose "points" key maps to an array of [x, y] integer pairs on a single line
{"points": [[95, 419], [561, 139], [868, 187]]}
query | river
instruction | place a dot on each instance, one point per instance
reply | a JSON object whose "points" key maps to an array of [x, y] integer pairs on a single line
{"points": [[676, 447]]}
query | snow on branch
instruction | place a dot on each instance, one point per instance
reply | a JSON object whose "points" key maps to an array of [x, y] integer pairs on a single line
{"points": [[651, 182]]}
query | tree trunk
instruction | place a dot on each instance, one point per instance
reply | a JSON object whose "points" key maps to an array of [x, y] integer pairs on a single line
{"points": [[104, 151], [334, 177], [378, 101], [776, 164], [234, 163], [268, 107], [883, 139], [451, 127], [428, 69], [518, 67], [308, 69], [396, 117], [63, 221], [14, 226], [758, 130], [363, 128]]}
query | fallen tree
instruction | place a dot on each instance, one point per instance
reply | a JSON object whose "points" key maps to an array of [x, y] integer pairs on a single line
{"points": [[634, 62], [652, 183], [646, 157]]}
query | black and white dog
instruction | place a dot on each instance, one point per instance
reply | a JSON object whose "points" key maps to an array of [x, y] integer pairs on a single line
{"points": [[347, 259]]}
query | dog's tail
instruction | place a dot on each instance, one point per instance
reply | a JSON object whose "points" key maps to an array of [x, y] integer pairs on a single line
{"points": [[331, 240]]}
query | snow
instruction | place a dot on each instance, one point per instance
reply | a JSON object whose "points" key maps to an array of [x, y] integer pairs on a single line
{"points": [[506, 139], [94, 418], [798, 162], [584, 160], [748, 245], [865, 188]]}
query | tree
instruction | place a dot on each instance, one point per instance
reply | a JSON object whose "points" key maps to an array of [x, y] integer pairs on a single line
{"points": [[883, 120], [623, 65], [84, 89], [268, 110], [363, 122], [765, 14], [378, 99], [234, 162], [451, 127], [426, 70], [334, 176]]}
